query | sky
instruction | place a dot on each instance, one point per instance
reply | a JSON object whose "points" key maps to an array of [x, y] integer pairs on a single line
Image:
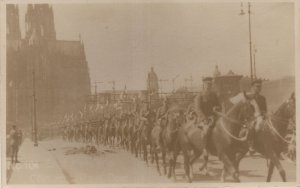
{"points": [[123, 40]]}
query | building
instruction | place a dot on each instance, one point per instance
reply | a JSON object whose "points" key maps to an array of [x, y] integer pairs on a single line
{"points": [[57, 67], [226, 85]]}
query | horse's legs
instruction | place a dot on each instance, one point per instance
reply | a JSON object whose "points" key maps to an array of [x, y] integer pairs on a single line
{"points": [[203, 168], [230, 166], [157, 161], [270, 171], [275, 160], [197, 154], [152, 153], [170, 164], [163, 153], [175, 154], [239, 157], [145, 153], [187, 165], [223, 175]]}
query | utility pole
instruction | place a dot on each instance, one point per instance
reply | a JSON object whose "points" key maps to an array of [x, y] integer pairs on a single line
{"points": [[173, 81], [254, 62], [34, 107], [16, 103], [250, 38]]}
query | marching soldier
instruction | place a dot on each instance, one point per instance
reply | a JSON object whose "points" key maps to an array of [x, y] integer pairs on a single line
{"points": [[14, 143]]}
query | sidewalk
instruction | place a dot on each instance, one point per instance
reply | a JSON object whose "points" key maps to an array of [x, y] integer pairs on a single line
{"points": [[37, 166]]}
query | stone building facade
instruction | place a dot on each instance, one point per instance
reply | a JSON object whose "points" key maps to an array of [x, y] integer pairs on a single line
{"points": [[58, 67]]}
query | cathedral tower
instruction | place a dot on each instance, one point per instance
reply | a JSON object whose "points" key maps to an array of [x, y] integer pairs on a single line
{"points": [[13, 31], [39, 21]]}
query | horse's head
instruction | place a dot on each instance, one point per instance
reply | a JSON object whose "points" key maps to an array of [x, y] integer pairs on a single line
{"points": [[288, 109], [243, 108]]}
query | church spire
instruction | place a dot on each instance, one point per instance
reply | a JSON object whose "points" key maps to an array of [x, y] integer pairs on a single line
{"points": [[13, 24], [40, 18]]}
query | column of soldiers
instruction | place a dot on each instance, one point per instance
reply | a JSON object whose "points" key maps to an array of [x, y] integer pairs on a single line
{"points": [[89, 126]]}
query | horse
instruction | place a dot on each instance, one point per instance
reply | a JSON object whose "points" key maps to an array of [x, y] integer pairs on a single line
{"points": [[192, 136], [269, 139], [147, 125], [224, 140], [175, 118]]}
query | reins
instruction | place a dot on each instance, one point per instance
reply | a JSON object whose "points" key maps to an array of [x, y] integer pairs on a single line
{"points": [[227, 118], [243, 139], [270, 125], [233, 121]]}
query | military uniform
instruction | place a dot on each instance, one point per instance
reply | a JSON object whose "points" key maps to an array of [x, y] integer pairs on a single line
{"points": [[14, 143], [262, 104], [205, 103]]}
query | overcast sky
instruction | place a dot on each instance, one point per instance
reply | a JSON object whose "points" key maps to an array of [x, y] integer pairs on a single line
{"points": [[122, 41]]}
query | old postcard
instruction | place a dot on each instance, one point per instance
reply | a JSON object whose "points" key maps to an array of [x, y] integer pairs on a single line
{"points": [[149, 93]]}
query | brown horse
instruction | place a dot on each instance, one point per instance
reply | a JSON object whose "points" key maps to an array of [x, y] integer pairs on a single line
{"points": [[147, 125], [170, 146], [224, 140], [192, 136], [269, 139]]}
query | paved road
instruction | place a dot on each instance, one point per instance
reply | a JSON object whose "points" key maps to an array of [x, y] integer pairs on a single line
{"points": [[115, 165]]}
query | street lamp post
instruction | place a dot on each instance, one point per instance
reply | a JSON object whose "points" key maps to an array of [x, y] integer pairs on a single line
{"points": [[254, 61], [250, 37], [34, 107]]}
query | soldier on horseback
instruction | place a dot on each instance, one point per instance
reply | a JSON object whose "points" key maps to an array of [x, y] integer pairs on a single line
{"points": [[161, 119], [206, 103], [261, 115], [162, 111]]}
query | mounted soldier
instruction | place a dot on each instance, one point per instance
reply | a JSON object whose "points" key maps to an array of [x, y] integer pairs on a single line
{"points": [[256, 87], [206, 103], [162, 111]]}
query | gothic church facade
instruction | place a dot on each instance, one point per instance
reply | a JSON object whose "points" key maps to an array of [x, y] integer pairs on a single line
{"points": [[56, 69]]}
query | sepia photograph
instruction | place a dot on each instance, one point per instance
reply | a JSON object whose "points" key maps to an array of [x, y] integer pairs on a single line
{"points": [[149, 93]]}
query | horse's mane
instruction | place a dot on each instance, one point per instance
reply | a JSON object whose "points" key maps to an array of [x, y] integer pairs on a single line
{"points": [[280, 109]]}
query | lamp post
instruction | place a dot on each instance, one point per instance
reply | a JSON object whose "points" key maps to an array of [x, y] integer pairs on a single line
{"points": [[34, 106], [250, 37], [254, 62], [34, 44]]}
